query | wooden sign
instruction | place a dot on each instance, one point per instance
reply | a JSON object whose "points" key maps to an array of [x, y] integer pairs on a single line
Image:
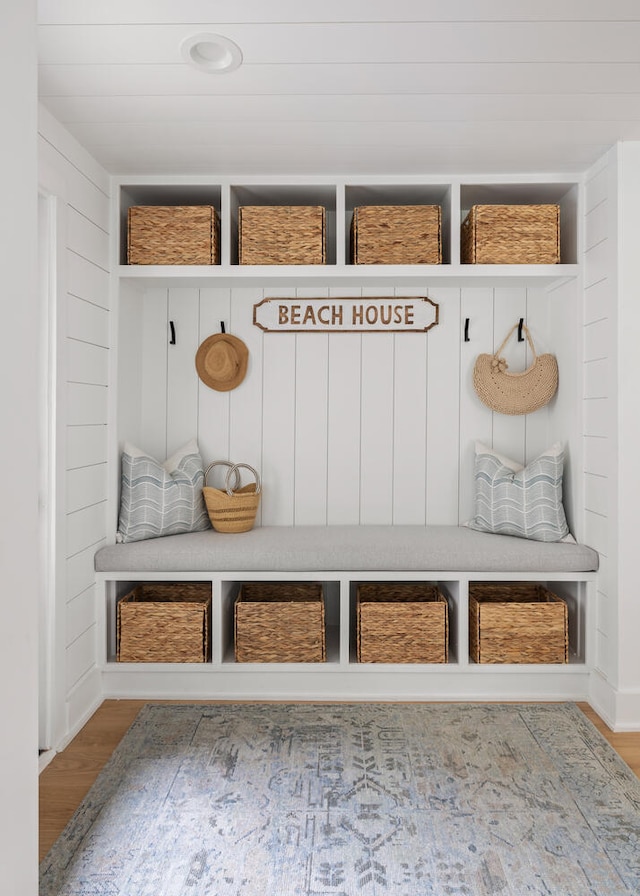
{"points": [[370, 314]]}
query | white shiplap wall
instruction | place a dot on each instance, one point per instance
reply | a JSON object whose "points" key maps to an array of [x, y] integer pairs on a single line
{"points": [[600, 298], [345, 428], [80, 190]]}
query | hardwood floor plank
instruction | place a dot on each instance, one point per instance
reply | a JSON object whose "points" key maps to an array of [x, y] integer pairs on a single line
{"points": [[69, 776]]}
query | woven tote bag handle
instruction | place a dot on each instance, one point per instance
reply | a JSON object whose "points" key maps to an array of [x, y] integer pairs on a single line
{"points": [[223, 463], [496, 354], [234, 469]]}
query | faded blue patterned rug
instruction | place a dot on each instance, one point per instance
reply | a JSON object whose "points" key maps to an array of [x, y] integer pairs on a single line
{"points": [[355, 800]]}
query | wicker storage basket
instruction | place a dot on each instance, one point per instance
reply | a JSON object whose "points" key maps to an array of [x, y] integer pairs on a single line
{"points": [[396, 234], [511, 234], [168, 234], [280, 622], [282, 234], [401, 623], [517, 622], [164, 622]]}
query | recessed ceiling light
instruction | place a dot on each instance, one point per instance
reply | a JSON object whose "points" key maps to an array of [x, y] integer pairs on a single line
{"points": [[211, 53]]}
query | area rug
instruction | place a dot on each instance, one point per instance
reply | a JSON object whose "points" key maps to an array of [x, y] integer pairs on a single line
{"points": [[345, 799]]}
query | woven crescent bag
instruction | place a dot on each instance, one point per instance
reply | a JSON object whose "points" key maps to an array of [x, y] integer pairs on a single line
{"points": [[515, 393]]}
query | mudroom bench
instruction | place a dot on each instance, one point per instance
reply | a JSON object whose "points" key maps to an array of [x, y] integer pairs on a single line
{"points": [[339, 560]]}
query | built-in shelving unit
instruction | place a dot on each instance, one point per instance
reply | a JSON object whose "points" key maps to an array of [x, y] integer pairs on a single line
{"points": [[223, 676], [170, 405], [454, 196]]}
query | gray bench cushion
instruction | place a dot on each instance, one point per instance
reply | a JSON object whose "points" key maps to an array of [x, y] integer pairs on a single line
{"points": [[338, 548]]}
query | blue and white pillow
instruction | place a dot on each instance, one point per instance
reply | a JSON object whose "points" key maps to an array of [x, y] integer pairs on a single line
{"points": [[161, 499], [523, 501]]}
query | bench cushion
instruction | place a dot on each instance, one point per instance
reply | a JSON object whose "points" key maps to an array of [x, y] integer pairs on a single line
{"points": [[338, 548]]}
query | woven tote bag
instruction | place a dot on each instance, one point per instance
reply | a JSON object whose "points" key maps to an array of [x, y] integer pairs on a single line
{"points": [[232, 508], [515, 393]]}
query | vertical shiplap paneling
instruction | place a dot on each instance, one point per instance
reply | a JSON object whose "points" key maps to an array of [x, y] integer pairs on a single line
{"points": [[443, 409], [509, 306], [213, 406], [154, 346], [376, 422], [344, 427], [546, 339], [182, 378], [312, 359], [130, 372], [245, 442], [410, 425], [278, 422], [476, 423], [343, 423]]}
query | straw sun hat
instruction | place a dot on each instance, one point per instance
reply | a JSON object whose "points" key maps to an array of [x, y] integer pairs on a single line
{"points": [[221, 361]]}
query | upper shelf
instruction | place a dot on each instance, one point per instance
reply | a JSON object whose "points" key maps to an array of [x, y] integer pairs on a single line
{"points": [[454, 196], [347, 275]]}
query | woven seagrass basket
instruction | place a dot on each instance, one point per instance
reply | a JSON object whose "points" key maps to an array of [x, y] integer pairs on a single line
{"points": [[232, 508], [396, 234], [281, 234], [164, 622], [401, 623], [280, 622], [517, 622], [511, 234], [180, 234]]}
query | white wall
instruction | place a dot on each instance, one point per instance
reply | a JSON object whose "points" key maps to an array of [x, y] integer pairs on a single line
{"points": [[599, 413], [80, 190], [611, 424], [628, 436], [19, 377], [345, 428]]}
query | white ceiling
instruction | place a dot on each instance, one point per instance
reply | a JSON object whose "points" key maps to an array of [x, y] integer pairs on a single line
{"points": [[394, 87]]}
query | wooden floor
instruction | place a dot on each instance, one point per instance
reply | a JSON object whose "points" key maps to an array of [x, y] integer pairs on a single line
{"points": [[66, 780]]}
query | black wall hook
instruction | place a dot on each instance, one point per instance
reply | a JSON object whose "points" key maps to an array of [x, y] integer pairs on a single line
{"points": [[172, 340], [520, 325], [466, 329], [222, 329]]}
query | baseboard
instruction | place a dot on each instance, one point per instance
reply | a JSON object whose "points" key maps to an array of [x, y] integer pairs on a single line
{"points": [[82, 701], [620, 710]]}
